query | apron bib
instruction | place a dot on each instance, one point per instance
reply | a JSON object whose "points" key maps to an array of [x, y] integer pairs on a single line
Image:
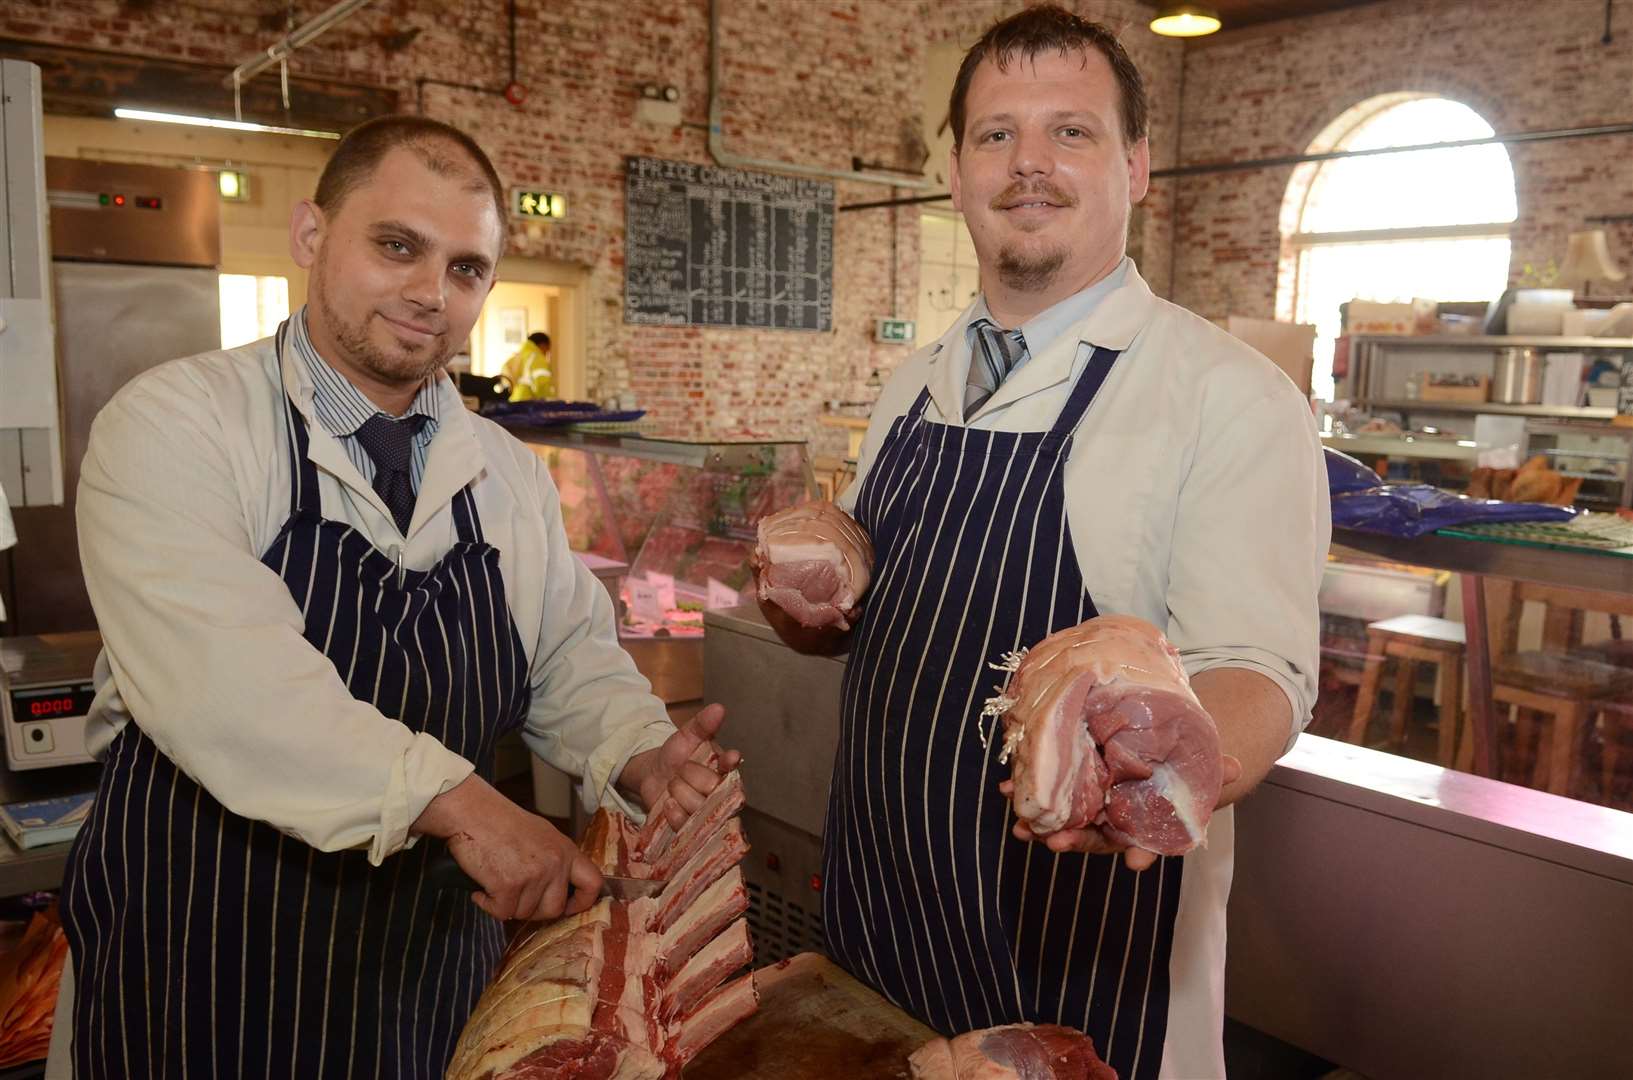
{"points": [[926, 895]]}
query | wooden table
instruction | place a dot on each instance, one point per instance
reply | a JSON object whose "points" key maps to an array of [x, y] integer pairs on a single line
{"points": [[1475, 560], [815, 1023]]}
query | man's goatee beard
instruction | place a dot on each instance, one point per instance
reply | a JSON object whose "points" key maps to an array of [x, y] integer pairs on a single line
{"points": [[1029, 273]]}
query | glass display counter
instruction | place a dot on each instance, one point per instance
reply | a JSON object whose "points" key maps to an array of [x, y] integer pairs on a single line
{"points": [[681, 510]]}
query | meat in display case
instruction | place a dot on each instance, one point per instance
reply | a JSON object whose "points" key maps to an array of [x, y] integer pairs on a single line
{"points": [[681, 511]]}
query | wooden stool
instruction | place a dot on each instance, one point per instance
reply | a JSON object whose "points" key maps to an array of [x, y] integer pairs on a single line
{"points": [[1413, 640], [1564, 690]]}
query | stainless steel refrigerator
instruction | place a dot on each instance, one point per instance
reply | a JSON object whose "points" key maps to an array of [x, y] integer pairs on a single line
{"points": [[134, 255]]}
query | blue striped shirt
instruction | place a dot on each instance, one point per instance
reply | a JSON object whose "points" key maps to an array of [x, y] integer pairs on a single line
{"points": [[341, 407]]}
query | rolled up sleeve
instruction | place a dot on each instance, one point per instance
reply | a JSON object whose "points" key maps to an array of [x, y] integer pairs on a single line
{"points": [[1250, 545], [591, 710], [205, 644]]}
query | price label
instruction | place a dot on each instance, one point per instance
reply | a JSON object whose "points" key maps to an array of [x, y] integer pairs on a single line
{"points": [[720, 596], [665, 584], [644, 601]]}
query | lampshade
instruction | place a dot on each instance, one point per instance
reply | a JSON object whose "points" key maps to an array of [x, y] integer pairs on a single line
{"points": [[1185, 20], [1587, 259]]}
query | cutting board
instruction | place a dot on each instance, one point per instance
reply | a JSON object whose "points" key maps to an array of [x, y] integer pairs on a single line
{"points": [[815, 1023]]}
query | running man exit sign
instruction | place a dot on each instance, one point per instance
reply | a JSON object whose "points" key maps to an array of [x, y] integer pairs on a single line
{"points": [[895, 331], [538, 204]]}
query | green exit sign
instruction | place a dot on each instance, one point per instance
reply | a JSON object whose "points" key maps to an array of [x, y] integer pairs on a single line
{"points": [[895, 331], [539, 204]]}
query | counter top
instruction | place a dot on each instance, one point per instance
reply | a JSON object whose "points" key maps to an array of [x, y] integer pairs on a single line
{"points": [[1582, 568]]}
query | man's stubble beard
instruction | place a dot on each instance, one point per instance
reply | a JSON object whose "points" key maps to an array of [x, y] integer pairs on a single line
{"points": [[1029, 272], [364, 354]]}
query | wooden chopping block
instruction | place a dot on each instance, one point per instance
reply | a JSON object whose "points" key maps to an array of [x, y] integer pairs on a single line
{"points": [[815, 1022]]}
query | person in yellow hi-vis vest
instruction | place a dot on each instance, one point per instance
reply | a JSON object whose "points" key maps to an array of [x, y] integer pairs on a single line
{"points": [[531, 374]]}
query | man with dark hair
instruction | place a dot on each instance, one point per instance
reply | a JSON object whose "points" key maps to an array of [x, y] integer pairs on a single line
{"points": [[1072, 446], [325, 591]]}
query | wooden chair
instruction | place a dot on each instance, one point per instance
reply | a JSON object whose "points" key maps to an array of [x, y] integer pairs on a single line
{"points": [[1555, 690], [1411, 640]]}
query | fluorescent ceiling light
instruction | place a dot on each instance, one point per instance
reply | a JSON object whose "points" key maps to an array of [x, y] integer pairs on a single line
{"points": [[212, 122], [1185, 20]]}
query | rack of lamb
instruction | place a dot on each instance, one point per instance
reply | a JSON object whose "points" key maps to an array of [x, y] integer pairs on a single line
{"points": [[627, 990]]}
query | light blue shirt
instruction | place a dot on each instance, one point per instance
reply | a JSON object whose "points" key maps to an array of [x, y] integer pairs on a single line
{"points": [[341, 407], [1047, 325]]}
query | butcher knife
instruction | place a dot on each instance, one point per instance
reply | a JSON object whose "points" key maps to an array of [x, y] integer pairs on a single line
{"points": [[442, 872]]}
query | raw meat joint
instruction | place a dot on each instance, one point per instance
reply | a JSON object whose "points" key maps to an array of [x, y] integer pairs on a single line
{"points": [[1014, 1052], [817, 563], [631, 991], [1104, 730]]}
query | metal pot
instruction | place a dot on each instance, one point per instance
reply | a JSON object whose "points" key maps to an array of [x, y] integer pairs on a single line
{"points": [[1518, 379]]}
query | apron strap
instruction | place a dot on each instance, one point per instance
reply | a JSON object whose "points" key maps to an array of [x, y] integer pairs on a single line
{"points": [[466, 522], [303, 475], [1083, 392]]}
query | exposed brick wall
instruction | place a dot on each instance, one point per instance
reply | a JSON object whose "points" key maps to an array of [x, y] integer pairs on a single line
{"points": [[812, 81], [1270, 90]]}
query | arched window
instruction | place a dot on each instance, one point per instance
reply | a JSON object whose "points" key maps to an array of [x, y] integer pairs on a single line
{"points": [[1391, 227]]}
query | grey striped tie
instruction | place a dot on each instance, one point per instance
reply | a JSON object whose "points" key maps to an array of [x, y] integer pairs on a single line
{"points": [[997, 352]]}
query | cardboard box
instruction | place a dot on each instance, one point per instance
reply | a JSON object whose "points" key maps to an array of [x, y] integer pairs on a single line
{"points": [[1371, 317], [1481, 391], [1290, 346]]}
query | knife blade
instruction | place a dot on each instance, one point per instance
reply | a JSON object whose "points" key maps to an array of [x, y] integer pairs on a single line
{"points": [[442, 872]]}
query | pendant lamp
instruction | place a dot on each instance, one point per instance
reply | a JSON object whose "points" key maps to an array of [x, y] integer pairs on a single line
{"points": [[1184, 20]]}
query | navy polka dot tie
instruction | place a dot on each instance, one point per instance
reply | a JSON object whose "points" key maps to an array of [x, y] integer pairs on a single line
{"points": [[390, 444]]}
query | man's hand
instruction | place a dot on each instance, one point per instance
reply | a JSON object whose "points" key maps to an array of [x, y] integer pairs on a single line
{"points": [[670, 767], [523, 864], [1094, 841]]}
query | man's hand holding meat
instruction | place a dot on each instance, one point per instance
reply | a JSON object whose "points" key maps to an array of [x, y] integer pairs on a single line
{"points": [[526, 867]]}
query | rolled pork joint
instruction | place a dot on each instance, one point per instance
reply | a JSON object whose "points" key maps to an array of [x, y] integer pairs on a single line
{"points": [[627, 991], [816, 563], [1012, 1052], [1102, 729]]}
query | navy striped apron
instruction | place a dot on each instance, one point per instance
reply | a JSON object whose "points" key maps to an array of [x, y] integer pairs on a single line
{"points": [[926, 895], [206, 944]]}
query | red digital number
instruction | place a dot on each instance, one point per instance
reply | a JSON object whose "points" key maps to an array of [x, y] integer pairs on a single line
{"points": [[51, 706]]}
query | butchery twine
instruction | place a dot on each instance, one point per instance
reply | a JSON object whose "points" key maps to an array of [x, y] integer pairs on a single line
{"points": [[1012, 1052], [627, 991], [1104, 730], [817, 563]]}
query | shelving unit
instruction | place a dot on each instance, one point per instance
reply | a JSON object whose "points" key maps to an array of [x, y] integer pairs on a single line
{"points": [[1379, 366]]}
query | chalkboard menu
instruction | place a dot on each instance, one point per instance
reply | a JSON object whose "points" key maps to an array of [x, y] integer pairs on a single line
{"points": [[709, 246]]}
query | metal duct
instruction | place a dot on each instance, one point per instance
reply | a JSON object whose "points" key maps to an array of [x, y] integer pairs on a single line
{"points": [[722, 156]]}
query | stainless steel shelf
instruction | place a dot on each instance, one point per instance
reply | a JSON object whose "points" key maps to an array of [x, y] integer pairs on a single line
{"points": [[1403, 446], [1552, 412], [34, 870], [1504, 341]]}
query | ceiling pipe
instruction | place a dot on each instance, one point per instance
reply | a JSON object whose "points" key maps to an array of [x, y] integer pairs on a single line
{"points": [[722, 156], [296, 38]]}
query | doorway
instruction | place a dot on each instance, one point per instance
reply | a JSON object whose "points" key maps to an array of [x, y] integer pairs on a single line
{"points": [[535, 295]]}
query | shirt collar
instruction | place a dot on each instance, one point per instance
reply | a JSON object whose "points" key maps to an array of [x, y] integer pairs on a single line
{"points": [[339, 405], [1042, 329]]}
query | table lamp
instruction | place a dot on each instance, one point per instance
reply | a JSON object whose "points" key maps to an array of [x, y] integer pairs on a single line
{"points": [[1587, 260]]}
